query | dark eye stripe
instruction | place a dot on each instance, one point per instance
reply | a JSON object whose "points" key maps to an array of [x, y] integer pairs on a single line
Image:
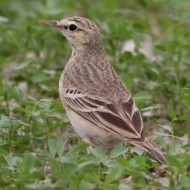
{"points": [[79, 29]]}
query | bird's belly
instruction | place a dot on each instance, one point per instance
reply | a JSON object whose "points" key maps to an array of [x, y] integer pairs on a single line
{"points": [[91, 133]]}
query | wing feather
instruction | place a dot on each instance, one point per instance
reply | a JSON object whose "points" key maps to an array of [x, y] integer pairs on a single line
{"points": [[124, 119]]}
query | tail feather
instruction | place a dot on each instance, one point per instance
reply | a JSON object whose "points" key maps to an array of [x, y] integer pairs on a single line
{"points": [[148, 147]]}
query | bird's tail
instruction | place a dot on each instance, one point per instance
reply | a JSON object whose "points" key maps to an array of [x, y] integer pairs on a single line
{"points": [[148, 147]]}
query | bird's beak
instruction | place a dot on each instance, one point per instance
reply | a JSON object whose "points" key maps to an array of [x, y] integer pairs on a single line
{"points": [[52, 23]]}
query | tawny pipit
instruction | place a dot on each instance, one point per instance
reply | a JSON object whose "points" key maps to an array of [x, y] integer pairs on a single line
{"points": [[97, 103]]}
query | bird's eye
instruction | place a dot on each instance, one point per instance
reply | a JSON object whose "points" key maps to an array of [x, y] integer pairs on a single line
{"points": [[72, 27]]}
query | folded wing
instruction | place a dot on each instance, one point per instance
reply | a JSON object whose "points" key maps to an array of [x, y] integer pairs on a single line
{"points": [[123, 119]]}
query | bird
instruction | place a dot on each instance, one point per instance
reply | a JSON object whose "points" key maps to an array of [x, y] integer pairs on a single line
{"points": [[98, 104]]}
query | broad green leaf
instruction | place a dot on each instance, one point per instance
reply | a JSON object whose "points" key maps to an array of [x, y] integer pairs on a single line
{"points": [[28, 163], [113, 175], [174, 161], [117, 151], [143, 95], [185, 181], [56, 168], [56, 146], [24, 64], [99, 152], [40, 78], [13, 160], [167, 127], [162, 134], [123, 162], [127, 80]]}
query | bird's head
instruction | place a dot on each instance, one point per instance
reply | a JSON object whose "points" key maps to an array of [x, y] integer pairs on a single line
{"points": [[78, 30]]}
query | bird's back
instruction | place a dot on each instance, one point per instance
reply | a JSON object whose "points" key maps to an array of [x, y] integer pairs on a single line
{"points": [[94, 75]]}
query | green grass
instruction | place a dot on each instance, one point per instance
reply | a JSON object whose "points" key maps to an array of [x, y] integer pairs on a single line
{"points": [[38, 147]]}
